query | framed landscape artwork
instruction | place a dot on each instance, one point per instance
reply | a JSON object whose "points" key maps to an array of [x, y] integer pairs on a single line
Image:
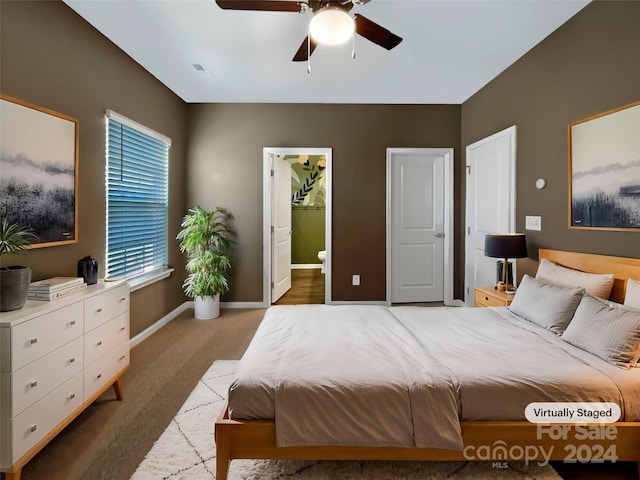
{"points": [[604, 170], [39, 171]]}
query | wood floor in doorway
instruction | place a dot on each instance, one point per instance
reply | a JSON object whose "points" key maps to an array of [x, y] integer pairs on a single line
{"points": [[307, 287]]}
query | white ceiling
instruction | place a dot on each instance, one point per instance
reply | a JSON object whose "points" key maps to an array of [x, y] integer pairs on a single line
{"points": [[451, 48]]}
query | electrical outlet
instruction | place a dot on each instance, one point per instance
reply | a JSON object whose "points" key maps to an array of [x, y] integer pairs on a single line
{"points": [[533, 223], [355, 280]]}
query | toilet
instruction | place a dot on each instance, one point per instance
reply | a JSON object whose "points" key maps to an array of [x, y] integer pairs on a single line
{"points": [[322, 255]]}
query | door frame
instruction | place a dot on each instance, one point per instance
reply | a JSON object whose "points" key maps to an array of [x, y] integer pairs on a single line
{"points": [[448, 154], [267, 200], [511, 133]]}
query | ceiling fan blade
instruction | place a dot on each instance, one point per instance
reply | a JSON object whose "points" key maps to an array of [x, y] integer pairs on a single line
{"points": [[264, 5], [302, 53], [375, 33]]}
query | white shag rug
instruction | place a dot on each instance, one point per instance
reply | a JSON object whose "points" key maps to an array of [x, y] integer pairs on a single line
{"points": [[186, 451]]}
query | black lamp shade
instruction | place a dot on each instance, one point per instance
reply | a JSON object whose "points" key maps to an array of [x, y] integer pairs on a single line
{"points": [[505, 245]]}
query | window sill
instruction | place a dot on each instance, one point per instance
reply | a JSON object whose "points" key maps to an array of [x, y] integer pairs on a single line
{"points": [[141, 281]]}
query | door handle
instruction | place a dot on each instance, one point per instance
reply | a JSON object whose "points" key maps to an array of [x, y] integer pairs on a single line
{"points": [[439, 235]]}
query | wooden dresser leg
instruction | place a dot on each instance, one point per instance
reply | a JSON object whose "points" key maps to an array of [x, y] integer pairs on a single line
{"points": [[117, 387], [13, 475]]}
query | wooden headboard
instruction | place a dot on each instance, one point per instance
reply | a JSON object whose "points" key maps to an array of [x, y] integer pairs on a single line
{"points": [[621, 267]]}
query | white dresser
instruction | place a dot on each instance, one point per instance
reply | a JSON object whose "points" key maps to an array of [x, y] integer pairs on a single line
{"points": [[56, 358]]}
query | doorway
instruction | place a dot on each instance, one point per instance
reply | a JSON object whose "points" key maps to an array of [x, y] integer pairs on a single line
{"points": [[419, 225], [308, 194]]}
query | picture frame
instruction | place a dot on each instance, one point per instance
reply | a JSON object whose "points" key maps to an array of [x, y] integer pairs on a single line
{"points": [[39, 171], [604, 170]]}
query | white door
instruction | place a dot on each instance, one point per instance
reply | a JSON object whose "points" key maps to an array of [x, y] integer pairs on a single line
{"points": [[281, 231], [417, 226], [490, 203]]}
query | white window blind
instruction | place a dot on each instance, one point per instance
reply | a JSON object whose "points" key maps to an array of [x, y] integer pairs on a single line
{"points": [[137, 198]]}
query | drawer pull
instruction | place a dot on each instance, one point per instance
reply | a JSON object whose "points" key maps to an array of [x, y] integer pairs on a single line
{"points": [[72, 359], [72, 396], [33, 340], [33, 427], [99, 310], [122, 358], [72, 322], [99, 375], [100, 343], [486, 299], [34, 383]]}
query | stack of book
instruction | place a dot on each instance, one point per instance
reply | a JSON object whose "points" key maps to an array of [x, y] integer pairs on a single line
{"points": [[54, 288]]}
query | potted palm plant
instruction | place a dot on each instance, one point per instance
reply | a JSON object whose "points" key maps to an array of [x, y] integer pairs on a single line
{"points": [[15, 279], [206, 238]]}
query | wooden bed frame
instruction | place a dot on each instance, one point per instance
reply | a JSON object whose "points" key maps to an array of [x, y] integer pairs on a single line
{"points": [[483, 440]]}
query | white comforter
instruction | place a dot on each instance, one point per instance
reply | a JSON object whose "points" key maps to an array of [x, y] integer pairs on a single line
{"points": [[406, 376]]}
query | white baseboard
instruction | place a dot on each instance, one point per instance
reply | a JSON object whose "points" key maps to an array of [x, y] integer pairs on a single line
{"points": [[243, 305], [455, 303], [375, 302], [159, 324], [303, 266]]}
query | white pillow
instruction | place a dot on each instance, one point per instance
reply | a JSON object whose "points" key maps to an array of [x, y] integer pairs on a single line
{"points": [[596, 284], [546, 304], [611, 333], [620, 305], [632, 295]]}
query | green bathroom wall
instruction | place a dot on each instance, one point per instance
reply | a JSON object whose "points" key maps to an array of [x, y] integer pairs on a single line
{"points": [[307, 239], [308, 181], [308, 187]]}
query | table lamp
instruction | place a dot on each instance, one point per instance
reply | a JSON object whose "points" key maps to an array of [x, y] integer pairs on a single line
{"points": [[505, 246]]}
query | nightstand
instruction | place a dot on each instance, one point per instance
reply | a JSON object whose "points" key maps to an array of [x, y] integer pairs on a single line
{"points": [[491, 297]]}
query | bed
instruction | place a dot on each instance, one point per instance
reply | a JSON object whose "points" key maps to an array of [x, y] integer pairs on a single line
{"points": [[322, 417]]}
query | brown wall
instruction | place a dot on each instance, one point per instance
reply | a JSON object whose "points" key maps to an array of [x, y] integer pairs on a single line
{"points": [[587, 66], [225, 168], [52, 58]]}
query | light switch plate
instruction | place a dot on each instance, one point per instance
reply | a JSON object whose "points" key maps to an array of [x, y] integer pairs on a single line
{"points": [[533, 223], [355, 280]]}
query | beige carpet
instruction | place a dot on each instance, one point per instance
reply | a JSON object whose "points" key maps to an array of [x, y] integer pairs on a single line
{"points": [[186, 450]]}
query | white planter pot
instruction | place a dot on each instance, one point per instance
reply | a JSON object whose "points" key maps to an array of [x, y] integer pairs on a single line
{"points": [[207, 308]]}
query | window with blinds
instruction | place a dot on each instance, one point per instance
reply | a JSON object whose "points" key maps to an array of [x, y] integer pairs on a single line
{"points": [[137, 198]]}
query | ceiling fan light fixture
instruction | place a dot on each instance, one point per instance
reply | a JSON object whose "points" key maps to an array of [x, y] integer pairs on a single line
{"points": [[331, 26]]}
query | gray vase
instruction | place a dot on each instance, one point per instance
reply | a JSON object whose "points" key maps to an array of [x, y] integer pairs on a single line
{"points": [[14, 286]]}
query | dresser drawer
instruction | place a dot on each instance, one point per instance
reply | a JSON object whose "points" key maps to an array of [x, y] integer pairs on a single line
{"points": [[102, 308], [103, 338], [41, 377], [41, 335], [37, 421], [105, 368]]}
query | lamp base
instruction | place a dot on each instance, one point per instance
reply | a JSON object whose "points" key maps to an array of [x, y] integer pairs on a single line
{"points": [[500, 273]]}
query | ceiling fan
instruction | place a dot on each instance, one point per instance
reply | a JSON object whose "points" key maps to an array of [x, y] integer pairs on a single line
{"points": [[337, 9]]}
